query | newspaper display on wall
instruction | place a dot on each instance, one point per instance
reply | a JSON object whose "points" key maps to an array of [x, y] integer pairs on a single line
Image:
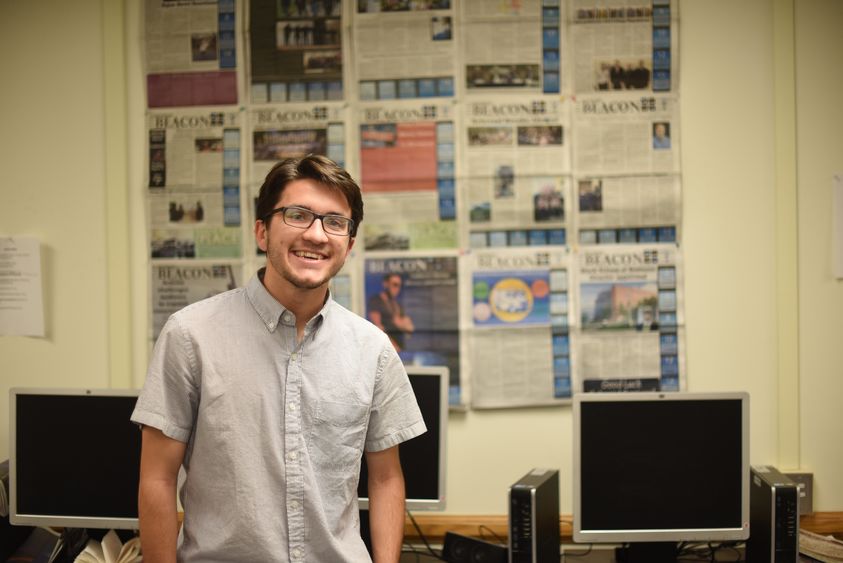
{"points": [[626, 134], [516, 166], [404, 49], [557, 267], [628, 209], [631, 319], [177, 286], [193, 177], [407, 173], [513, 45], [191, 54], [414, 299], [295, 50], [619, 46], [519, 348]]}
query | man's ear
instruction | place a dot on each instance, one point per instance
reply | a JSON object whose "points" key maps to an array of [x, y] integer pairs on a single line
{"points": [[350, 244], [261, 234]]}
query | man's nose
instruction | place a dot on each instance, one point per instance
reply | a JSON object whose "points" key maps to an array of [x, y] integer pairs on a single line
{"points": [[316, 230]]}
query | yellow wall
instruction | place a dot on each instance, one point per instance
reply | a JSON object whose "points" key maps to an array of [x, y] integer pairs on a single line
{"points": [[744, 179], [819, 140], [52, 187]]}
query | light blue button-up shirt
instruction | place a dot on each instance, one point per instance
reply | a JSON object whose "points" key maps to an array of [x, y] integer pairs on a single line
{"points": [[275, 429]]}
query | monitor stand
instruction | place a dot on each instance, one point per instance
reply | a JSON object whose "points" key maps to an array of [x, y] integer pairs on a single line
{"points": [[647, 552]]}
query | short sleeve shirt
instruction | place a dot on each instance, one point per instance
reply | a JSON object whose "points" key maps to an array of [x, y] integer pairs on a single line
{"points": [[275, 428]]}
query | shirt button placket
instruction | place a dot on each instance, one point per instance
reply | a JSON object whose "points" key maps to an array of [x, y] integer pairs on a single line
{"points": [[293, 444]]}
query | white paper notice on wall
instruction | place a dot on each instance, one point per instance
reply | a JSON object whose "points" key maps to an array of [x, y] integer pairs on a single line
{"points": [[837, 225], [21, 302]]}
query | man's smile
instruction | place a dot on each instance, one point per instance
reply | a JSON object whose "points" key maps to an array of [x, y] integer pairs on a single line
{"points": [[309, 255]]}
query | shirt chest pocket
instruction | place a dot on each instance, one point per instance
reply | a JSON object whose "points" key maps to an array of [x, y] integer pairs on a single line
{"points": [[338, 434]]}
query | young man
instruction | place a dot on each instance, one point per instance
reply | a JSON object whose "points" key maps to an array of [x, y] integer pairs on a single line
{"points": [[269, 394]]}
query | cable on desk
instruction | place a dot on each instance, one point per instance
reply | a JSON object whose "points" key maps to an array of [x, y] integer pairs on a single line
{"points": [[423, 537], [565, 554], [499, 539], [707, 551]]}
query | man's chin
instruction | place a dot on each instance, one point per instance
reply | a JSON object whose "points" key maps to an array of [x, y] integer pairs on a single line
{"points": [[314, 280], [306, 283]]}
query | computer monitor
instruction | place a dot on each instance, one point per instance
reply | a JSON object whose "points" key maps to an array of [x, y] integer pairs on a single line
{"points": [[655, 469], [74, 458], [423, 457]]}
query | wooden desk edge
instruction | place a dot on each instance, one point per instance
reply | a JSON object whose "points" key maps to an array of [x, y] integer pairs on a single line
{"points": [[493, 527]]}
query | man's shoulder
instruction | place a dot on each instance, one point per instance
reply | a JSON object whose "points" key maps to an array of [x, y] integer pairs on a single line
{"points": [[212, 305], [342, 317]]}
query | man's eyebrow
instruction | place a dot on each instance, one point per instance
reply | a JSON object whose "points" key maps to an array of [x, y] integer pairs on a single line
{"points": [[307, 207]]}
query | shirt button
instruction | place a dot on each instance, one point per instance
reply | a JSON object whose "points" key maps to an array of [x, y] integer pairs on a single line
{"points": [[294, 455], [293, 407], [294, 505], [293, 356], [286, 317], [296, 553]]}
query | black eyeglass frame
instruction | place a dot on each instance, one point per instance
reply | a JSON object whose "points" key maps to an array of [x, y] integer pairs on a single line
{"points": [[283, 210]]}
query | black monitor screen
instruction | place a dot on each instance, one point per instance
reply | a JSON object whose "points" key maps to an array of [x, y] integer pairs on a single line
{"points": [[669, 467], [422, 458], [75, 458]]}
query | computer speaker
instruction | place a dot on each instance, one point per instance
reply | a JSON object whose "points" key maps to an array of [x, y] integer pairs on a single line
{"points": [[463, 549]]}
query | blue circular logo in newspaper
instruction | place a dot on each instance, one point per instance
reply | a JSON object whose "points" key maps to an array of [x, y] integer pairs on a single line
{"points": [[511, 300]]}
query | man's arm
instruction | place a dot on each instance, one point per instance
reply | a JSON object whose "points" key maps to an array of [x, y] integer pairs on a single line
{"points": [[404, 322], [386, 504], [375, 317], [161, 458]]}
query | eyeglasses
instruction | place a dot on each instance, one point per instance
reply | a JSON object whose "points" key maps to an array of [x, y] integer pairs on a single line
{"points": [[302, 218]]}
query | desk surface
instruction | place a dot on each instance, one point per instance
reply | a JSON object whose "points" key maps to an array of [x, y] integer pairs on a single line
{"points": [[571, 554], [575, 554]]}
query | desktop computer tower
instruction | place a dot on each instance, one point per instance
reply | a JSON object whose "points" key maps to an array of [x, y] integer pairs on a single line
{"points": [[534, 518], [773, 517]]}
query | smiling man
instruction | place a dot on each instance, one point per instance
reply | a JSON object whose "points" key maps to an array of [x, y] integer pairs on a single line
{"points": [[269, 395]]}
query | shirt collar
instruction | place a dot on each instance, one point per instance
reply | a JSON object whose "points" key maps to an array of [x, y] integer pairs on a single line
{"points": [[269, 309]]}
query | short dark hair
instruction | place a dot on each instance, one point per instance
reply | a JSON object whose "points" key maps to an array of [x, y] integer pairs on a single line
{"points": [[311, 167]]}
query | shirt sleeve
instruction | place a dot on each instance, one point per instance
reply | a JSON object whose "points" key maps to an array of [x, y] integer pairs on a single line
{"points": [[170, 395], [395, 415]]}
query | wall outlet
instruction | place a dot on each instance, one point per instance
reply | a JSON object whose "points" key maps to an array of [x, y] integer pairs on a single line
{"points": [[805, 482]]}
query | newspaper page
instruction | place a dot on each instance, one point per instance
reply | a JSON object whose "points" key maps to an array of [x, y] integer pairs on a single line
{"points": [[630, 334], [194, 184], [513, 45], [628, 209], [294, 131], [407, 170], [404, 49], [623, 45], [295, 50], [516, 165], [519, 349], [175, 286], [626, 134], [414, 299], [191, 53]]}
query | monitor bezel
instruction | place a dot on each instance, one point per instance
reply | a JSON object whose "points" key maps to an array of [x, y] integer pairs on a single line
{"points": [[660, 535], [66, 521], [443, 373]]}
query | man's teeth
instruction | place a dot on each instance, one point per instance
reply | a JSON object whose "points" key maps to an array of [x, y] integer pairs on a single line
{"points": [[313, 255]]}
